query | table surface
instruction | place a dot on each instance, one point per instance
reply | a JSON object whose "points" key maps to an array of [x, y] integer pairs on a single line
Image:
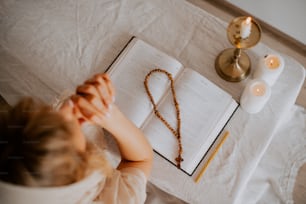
{"points": [[47, 50]]}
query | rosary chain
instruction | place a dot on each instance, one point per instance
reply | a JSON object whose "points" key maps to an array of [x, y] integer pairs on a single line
{"points": [[177, 132]]}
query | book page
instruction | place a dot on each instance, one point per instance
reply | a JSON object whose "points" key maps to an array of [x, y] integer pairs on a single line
{"points": [[128, 74], [202, 106]]}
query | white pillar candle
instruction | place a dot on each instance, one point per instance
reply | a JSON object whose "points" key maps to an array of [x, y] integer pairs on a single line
{"points": [[269, 68], [255, 95], [245, 28]]}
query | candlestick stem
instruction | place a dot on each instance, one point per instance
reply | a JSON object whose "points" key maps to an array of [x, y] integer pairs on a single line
{"points": [[233, 64], [237, 54]]}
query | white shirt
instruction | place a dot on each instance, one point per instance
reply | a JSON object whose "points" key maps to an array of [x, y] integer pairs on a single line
{"points": [[125, 186]]}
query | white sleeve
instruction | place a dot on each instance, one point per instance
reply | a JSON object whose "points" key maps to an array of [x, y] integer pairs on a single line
{"points": [[125, 186]]}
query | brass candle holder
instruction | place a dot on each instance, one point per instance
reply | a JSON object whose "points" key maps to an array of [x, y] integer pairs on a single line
{"points": [[233, 64]]}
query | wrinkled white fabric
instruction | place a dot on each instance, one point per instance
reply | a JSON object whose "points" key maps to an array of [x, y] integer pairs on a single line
{"points": [[274, 178], [47, 47]]}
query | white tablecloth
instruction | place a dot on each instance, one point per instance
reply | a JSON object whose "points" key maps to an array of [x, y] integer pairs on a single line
{"points": [[274, 179], [49, 47]]}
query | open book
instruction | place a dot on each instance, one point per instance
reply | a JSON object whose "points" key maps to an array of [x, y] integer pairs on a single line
{"points": [[205, 108]]}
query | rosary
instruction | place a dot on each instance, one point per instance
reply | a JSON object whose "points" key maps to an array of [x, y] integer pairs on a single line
{"points": [[177, 132]]}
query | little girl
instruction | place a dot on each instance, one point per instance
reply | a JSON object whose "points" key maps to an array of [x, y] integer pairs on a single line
{"points": [[45, 157]]}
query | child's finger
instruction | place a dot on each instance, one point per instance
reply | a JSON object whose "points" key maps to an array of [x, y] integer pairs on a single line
{"points": [[79, 115], [88, 111], [105, 87], [110, 86], [101, 84], [104, 93], [67, 108], [97, 103], [90, 92]]}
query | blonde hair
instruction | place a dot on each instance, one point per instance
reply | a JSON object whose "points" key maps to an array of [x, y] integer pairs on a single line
{"points": [[36, 148]]}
